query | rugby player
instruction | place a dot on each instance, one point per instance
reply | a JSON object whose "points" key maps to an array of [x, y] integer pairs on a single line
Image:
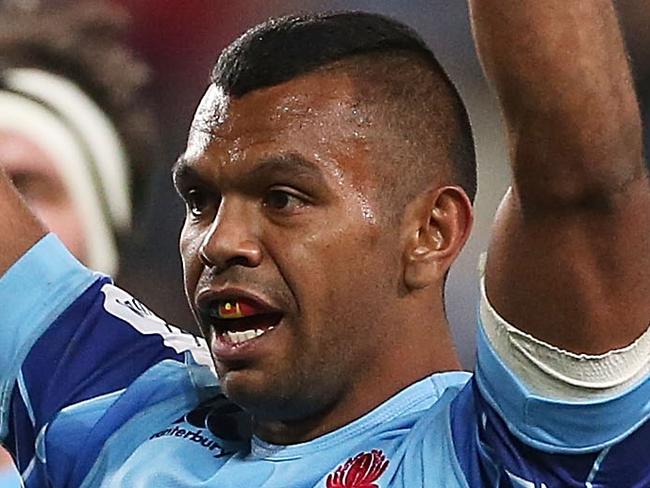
{"points": [[326, 177]]}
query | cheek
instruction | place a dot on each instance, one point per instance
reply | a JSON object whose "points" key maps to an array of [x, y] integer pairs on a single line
{"points": [[189, 245], [361, 271], [336, 272]]}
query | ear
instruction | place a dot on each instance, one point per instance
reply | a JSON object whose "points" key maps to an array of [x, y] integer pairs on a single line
{"points": [[439, 223]]}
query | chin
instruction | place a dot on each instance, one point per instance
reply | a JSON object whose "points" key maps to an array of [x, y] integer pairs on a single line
{"points": [[262, 399], [248, 390]]}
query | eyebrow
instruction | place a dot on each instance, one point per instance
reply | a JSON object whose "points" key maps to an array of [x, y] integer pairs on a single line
{"points": [[182, 170], [180, 167], [289, 164]]}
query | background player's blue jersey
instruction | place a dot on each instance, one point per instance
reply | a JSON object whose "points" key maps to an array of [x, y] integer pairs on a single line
{"points": [[98, 391]]}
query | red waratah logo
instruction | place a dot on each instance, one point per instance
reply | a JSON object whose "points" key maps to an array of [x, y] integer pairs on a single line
{"points": [[361, 471]]}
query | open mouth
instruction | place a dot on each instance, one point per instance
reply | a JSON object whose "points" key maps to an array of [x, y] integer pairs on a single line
{"points": [[238, 321]]}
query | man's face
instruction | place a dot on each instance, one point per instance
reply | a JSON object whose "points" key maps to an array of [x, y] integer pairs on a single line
{"points": [[284, 227], [37, 178]]}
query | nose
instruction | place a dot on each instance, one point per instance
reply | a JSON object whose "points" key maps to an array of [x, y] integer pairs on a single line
{"points": [[231, 239]]}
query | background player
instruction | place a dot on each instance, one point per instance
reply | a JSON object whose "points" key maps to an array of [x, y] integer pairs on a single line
{"points": [[76, 137]]}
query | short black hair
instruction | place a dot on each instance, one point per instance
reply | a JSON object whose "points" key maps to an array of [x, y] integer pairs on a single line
{"points": [[285, 48]]}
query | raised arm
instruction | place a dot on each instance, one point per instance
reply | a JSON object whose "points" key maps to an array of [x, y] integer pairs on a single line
{"points": [[19, 228], [569, 260]]}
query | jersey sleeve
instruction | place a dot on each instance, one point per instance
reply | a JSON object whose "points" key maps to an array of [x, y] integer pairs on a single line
{"points": [[69, 337], [519, 437]]}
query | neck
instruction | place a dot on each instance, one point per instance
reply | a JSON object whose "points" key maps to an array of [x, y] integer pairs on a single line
{"points": [[424, 348]]}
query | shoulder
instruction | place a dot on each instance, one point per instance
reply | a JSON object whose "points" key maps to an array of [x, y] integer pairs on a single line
{"points": [[430, 453], [158, 410], [128, 309]]}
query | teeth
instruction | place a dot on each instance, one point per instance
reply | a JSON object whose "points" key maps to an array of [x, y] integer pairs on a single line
{"points": [[244, 336]]}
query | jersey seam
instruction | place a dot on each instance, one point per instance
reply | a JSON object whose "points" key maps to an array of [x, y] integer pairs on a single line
{"points": [[46, 322], [390, 414]]}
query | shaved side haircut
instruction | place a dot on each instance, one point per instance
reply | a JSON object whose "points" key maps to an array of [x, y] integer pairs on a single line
{"points": [[419, 128]]}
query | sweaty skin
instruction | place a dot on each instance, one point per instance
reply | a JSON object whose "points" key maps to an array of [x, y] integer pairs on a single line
{"points": [[570, 253], [284, 209]]}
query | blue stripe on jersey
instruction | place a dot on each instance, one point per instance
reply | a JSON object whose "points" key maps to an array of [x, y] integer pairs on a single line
{"points": [[70, 429], [23, 451], [158, 397], [464, 431], [92, 344], [554, 426], [54, 279], [626, 464], [504, 457], [491, 456], [86, 353]]}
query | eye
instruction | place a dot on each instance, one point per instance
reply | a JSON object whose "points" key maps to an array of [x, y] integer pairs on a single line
{"points": [[36, 187], [197, 202], [282, 200]]}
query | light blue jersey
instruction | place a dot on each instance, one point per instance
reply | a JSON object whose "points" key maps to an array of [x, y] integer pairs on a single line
{"points": [[97, 391], [9, 478]]}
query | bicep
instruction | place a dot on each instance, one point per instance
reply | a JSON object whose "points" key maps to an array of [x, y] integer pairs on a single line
{"points": [[575, 276]]}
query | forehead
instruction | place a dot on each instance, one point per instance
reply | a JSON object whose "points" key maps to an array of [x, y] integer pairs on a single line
{"points": [[317, 115], [319, 93]]}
